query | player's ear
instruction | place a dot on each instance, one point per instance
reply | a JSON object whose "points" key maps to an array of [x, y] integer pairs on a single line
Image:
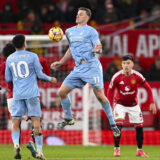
{"points": [[25, 44]]}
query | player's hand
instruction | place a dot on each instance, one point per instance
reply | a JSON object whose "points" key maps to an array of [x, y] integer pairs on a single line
{"points": [[98, 48], [153, 108], [55, 65], [53, 80]]}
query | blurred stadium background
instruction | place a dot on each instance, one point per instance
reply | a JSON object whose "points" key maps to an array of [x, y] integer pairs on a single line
{"points": [[125, 27]]}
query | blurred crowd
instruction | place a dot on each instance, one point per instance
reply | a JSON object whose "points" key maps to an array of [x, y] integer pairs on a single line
{"points": [[64, 11]]}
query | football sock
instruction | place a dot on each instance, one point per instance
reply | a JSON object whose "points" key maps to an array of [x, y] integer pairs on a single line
{"points": [[139, 137], [117, 139], [107, 108], [66, 105], [15, 137], [39, 141]]}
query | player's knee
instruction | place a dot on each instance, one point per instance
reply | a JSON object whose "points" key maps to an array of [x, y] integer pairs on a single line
{"points": [[62, 93]]}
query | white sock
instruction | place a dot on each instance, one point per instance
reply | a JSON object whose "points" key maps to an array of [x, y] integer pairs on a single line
{"points": [[139, 149], [16, 145]]}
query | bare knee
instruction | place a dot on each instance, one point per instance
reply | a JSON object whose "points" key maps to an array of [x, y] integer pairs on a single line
{"points": [[100, 96], [62, 93]]}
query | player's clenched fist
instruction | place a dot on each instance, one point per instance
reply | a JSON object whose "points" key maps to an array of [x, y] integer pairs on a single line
{"points": [[53, 80], [55, 65]]}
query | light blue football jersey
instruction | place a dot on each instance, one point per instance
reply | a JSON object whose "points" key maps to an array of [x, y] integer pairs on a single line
{"points": [[23, 68], [82, 41]]}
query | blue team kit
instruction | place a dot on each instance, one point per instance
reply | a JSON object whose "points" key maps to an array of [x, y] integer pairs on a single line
{"points": [[82, 41]]}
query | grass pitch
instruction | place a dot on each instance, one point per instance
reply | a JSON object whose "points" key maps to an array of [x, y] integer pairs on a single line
{"points": [[82, 153]]}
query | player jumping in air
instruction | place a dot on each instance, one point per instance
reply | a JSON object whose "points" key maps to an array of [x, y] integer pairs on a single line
{"points": [[23, 69], [84, 43], [126, 82]]}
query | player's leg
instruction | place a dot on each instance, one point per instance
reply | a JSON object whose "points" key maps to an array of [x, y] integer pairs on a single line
{"points": [[38, 137], [17, 111], [66, 105], [71, 81], [99, 93], [34, 111], [16, 137], [9, 105], [65, 101], [135, 116], [30, 144], [119, 115]]}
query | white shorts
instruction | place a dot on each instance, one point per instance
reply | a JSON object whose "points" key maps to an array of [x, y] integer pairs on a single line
{"points": [[134, 113]]}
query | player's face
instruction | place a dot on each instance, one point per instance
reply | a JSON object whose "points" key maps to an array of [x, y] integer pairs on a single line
{"points": [[127, 66], [82, 17]]}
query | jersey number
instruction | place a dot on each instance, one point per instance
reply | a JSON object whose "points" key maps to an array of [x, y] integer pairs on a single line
{"points": [[17, 69]]}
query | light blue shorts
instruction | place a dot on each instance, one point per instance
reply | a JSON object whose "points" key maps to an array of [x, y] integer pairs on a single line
{"points": [[32, 106], [85, 73]]}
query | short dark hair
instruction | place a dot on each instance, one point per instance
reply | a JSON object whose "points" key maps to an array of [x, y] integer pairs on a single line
{"points": [[8, 49], [18, 41], [88, 11], [128, 57]]}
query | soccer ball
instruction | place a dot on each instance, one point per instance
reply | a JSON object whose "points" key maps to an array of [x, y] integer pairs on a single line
{"points": [[55, 34]]}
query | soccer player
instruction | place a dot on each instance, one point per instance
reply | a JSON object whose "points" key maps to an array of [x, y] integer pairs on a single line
{"points": [[126, 82], [7, 50], [23, 69], [84, 43]]}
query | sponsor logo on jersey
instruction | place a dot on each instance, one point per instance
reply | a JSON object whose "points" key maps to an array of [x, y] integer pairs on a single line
{"points": [[127, 93]]}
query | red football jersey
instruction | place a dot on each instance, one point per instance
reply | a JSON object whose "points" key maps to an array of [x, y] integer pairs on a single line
{"points": [[127, 87], [9, 85]]}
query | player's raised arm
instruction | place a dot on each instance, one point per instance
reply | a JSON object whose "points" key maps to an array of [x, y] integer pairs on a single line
{"points": [[40, 74], [57, 64]]}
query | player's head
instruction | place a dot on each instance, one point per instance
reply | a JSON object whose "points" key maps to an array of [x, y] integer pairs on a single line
{"points": [[19, 41], [83, 15], [8, 49], [127, 63]]}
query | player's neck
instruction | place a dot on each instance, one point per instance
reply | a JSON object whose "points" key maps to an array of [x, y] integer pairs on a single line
{"points": [[81, 25], [20, 49], [127, 73]]}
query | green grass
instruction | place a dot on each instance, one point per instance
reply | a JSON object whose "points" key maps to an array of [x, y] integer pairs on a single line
{"points": [[82, 153]]}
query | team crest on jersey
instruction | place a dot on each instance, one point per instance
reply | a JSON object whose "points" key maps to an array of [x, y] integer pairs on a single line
{"points": [[133, 81], [116, 114], [127, 88]]}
